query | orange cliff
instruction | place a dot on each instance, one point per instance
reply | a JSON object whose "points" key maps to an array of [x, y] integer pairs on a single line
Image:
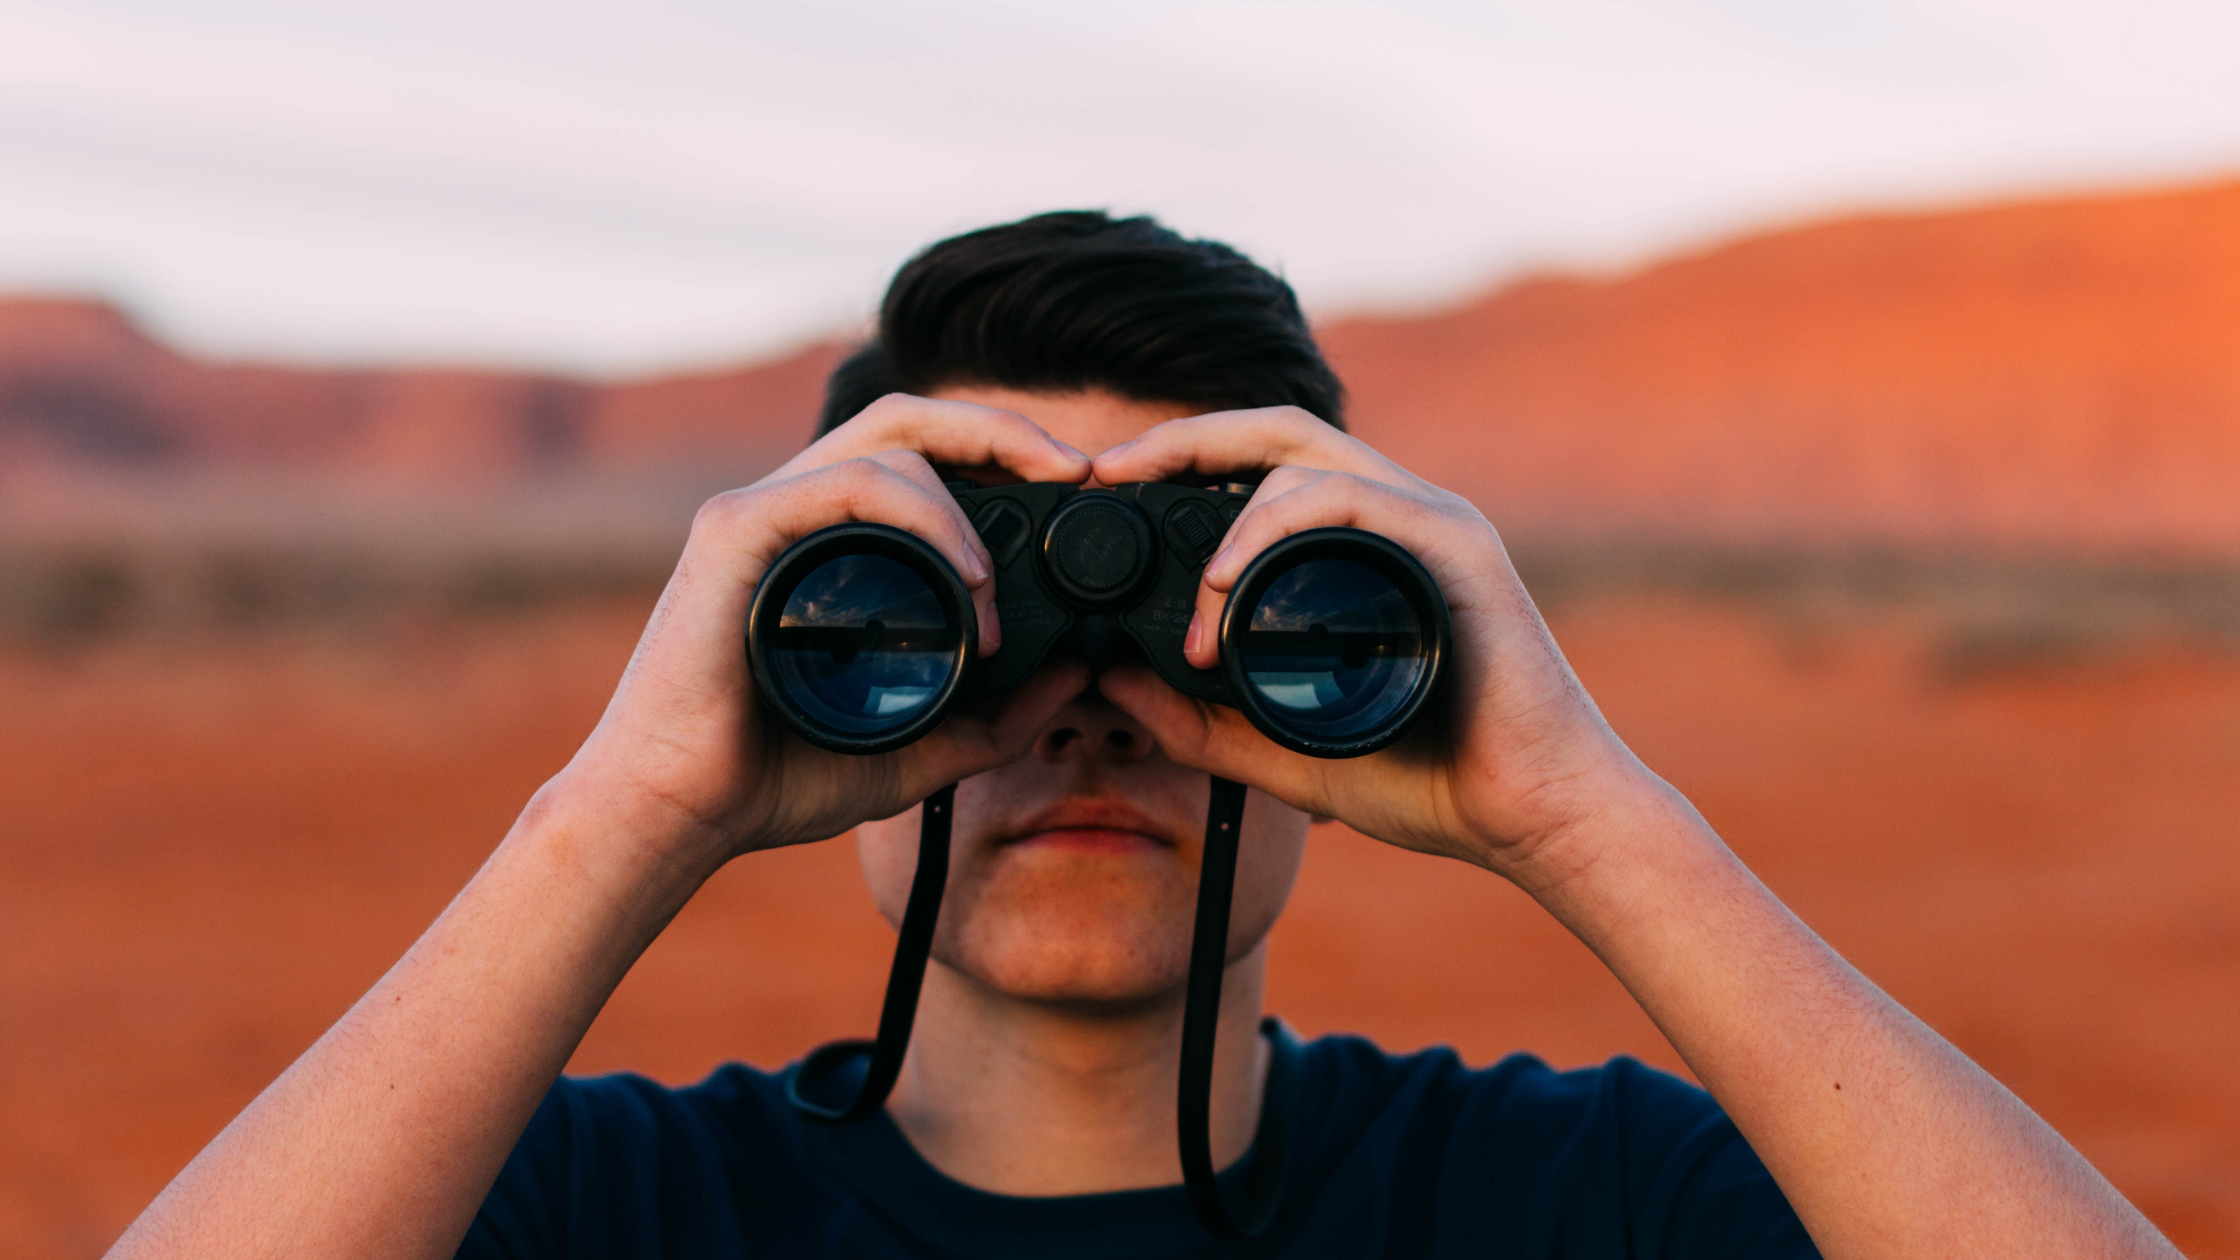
{"points": [[2060, 374], [81, 385]]}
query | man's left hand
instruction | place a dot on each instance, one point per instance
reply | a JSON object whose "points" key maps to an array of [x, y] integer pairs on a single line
{"points": [[1503, 770]]}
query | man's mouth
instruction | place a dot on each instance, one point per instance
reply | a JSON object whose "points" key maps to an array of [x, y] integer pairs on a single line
{"points": [[1093, 826]]}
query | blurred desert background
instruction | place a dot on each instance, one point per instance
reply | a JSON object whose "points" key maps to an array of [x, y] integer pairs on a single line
{"points": [[1908, 545]]}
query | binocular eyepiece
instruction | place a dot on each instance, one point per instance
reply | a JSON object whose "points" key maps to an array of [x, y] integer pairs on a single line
{"points": [[861, 637]]}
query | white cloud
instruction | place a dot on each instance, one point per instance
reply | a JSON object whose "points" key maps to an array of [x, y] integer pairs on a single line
{"points": [[621, 187]]}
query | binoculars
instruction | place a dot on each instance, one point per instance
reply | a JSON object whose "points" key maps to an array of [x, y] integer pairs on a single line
{"points": [[861, 637]]}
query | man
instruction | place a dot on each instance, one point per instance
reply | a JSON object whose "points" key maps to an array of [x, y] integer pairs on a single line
{"points": [[1035, 1113]]}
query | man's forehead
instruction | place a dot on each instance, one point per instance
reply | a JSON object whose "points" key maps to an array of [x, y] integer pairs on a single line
{"points": [[1091, 421]]}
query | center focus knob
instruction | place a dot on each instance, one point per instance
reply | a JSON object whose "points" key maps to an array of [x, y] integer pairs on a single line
{"points": [[1097, 551]]}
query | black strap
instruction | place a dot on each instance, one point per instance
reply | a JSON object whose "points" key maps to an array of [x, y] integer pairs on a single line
{"points": [[1201, 1020], [903, 982]]}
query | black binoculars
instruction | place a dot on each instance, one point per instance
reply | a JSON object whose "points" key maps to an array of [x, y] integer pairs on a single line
{"points": [[862, 637]]}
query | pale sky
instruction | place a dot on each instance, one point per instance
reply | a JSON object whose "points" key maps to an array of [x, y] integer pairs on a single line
{"points": [[614, 187]]}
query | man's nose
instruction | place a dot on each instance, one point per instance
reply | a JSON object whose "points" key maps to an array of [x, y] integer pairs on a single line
{"points": [[1092, 729]]}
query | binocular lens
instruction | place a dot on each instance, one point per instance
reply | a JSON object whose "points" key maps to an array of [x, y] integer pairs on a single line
{"points": [[860, 636], [1334, 651], [862, 645]]}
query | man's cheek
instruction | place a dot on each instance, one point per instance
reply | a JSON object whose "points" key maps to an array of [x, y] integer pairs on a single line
{"points": [[887, 852], [991, 801]]}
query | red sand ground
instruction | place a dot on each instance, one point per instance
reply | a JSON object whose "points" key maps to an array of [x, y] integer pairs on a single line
{"points": [[204, 858]]}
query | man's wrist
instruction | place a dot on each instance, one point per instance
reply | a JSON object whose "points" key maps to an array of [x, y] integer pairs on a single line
{"points": [[1628, 821], [629, 841]]}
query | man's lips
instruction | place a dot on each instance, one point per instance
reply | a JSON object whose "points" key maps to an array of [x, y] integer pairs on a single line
{"points": [[1092, 840], [1098, 826]]}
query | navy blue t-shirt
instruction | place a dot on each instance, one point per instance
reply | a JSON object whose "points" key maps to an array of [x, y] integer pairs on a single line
{"points": [[1415, 1156]]}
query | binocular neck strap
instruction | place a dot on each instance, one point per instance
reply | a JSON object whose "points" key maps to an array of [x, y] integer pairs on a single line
{"points": [[903, 981], [1201, 1019]]}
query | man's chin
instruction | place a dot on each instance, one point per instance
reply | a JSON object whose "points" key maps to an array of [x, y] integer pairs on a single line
{"points": [[1103, 972]]}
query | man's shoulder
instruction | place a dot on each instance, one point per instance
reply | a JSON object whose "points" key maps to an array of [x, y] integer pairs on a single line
{"points": [[1604, 1156], [1518, 1090], [734, 1099], [624, 1165]]}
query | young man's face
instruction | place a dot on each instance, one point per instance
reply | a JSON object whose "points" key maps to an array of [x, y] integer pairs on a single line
{"points": [[1073, 872]]}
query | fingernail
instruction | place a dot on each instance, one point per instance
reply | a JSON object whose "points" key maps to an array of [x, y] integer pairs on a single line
{"points": [[1068, 450], [1191, 636]]}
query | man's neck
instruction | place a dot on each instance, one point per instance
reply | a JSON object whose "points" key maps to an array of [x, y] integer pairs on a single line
{"points": [[1024, 1098]]}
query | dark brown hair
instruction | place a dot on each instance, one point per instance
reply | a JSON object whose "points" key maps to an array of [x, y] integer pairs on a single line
{"points": [[1077, 299]]}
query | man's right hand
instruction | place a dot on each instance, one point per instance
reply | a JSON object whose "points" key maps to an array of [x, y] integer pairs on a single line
{"points": [[683, 752], [384, 1138]]}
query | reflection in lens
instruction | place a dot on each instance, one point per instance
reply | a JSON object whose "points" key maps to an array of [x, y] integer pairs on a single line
{"points": [[1334, 649], [862, 645]]}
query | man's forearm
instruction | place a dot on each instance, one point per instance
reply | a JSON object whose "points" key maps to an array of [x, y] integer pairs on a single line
{"points": [[1887, 1140], [383, 1138]]}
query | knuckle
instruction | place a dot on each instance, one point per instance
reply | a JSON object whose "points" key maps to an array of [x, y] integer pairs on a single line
{"points": [[885, 411], [719, 511], [861, 479], [868, 469]]}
